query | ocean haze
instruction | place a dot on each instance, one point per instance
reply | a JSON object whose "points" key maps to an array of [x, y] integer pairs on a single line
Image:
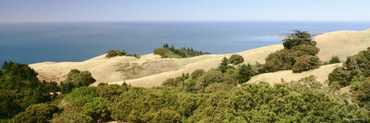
{"points": [[77, 41]]}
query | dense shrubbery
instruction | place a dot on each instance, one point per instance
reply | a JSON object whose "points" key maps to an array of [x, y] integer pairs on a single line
{"points": [[20, 88], [236, 59], [211, 96], [75, 79], [354, 68], [114, 53], [297, 52], [280, 60], [37, 113], [305, 63], [293, 102], [355, 72], [171, 52]]}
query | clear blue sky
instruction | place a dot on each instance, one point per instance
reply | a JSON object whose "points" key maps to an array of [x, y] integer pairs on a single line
{"points": [[183, 10]]}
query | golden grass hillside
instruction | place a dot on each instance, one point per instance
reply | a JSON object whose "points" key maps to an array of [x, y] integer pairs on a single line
{"points": [[321, 75], [151, 70], [342, 43]]}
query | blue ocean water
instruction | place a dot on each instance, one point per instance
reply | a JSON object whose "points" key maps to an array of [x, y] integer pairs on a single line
{"points": [[34, 42]]}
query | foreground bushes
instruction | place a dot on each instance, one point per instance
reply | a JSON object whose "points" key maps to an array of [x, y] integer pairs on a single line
{"points": [[354, 69], [202, 96], [248, 103], [20, 88], [37, 113], [356, 73]]}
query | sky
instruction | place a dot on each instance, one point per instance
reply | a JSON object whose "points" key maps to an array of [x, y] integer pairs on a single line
{"points": [[183, 10]]}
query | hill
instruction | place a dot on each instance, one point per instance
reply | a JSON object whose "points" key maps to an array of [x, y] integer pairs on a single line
{"points": [[151, 70]]}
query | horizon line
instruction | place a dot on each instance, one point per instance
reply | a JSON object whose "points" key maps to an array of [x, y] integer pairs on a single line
{"points": [[117, 21]]}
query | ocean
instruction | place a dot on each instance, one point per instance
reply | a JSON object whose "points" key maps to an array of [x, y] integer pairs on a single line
{"points": [[77, 41]]}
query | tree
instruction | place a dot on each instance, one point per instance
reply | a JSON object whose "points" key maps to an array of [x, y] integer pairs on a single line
{"points": [[20, 88], [236, 59], [223, 65], [298, 38], [334, 59], [305, 63], [244, 73], [280, 60], [75, 79]]}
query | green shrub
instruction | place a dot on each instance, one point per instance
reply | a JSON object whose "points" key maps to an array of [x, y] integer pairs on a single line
{"points": [[140, 105], [223, 65], [110, 92], [40, 113], [80, 96], [75, 118], [280, 60], [362, 94], [353, 69], [176, 81], [171, 52], [212, 76], [296, 45], [197, 73], [305, 49], [334, 59], [215, 87], [166, 116], [113, 53], [340, 76], [305, 63], [97, 109], [161, 51], [20, 88], [75, 79], [236, 59], [244, 73]]}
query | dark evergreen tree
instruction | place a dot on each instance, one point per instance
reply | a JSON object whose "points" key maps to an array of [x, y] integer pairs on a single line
{"points": [[223, 65], [244, 73]]}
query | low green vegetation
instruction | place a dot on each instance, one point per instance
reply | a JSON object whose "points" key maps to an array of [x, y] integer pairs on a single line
{"points": [[225, 74], [356, 73], [75, 79], [298, 54], [202, 96], [37, 113], [114, 53], [355, 69], [218, 95], [236, 59], [334, 59], [305, 101], [171, 52], [20, 89]]}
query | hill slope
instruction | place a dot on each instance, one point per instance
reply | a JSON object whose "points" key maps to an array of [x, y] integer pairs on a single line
{"points": [[321, 75], [151, 70]]}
